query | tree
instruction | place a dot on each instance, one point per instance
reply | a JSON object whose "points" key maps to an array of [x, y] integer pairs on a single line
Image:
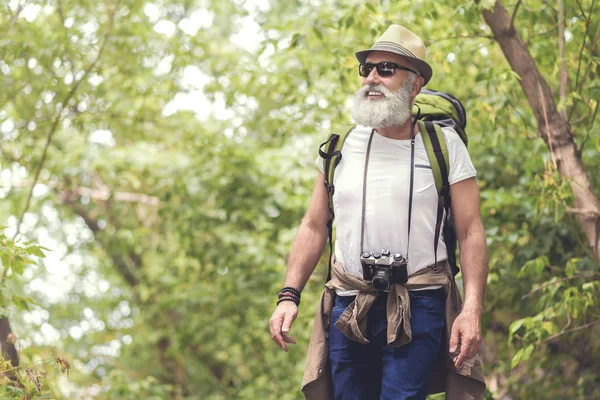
{"points": [[169, 222]]}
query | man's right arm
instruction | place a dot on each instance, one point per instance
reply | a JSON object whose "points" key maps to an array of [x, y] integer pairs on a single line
{"points": [[306, 252], [310, 239]]}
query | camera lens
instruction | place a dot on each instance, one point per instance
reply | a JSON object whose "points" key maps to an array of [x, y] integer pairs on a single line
{"points": [[382, 279]]}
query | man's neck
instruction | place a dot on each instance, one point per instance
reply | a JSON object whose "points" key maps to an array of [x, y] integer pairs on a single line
{"points": [[399, 132]]}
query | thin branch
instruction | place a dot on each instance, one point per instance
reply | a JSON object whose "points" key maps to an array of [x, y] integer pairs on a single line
{"points": [[581, 10], [585, 326], [54, 127], [547, 126], [58, 118], [588, 212], [15, 17], [99, 194], [512, 19], [563, 75], [105, 195], [585, 36], [549, 5], [582, 118], [543, 33], [33, 362], [474, 36], [595, 115], [557, 282], [127, 264]]}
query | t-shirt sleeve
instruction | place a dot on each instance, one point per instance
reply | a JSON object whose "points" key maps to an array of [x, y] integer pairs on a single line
{"points": [[320, 164], [461, 166]]}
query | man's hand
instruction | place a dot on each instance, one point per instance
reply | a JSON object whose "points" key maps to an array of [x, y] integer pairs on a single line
{"points": [[466, 336], [281, 322]]}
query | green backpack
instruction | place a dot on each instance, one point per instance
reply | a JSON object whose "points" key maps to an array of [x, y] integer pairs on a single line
{"points": [[433, 110]]}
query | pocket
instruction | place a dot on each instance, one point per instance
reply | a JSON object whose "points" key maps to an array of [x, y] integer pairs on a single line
{"points": [[439, 294], [429, 299], [341, 303], [428, 310]]}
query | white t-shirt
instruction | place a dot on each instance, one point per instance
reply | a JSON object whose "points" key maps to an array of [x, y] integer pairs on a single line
{"points": [[388, 186]]}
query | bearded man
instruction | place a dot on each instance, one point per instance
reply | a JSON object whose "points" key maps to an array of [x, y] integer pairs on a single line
{"points": [[411, 338]]}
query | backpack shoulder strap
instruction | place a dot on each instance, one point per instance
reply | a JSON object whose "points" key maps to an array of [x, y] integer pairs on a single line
{"points": [[331, 152], [437, 152]]}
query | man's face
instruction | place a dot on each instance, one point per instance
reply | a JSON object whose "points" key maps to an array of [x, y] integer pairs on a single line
{"points": [[392, 83], [385, 101]]}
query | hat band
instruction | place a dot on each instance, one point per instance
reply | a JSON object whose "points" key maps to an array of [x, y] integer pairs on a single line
{"points": [[393, 47]]}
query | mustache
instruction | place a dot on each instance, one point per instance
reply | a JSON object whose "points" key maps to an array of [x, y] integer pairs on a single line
{"points": [[364, 91]]}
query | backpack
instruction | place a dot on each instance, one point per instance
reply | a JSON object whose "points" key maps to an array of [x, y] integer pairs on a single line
{"points": [[432, 110]]}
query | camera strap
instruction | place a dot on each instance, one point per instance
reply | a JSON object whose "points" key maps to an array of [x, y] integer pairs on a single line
{"points": [[410, 195], [364, 193]]}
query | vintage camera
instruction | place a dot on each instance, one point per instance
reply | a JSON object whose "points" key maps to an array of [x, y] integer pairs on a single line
{"points": [[382, 268]]}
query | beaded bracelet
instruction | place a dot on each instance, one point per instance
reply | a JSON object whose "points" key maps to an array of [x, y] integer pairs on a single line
{"points": [[289, 289], [288, 295], [295, 300]]}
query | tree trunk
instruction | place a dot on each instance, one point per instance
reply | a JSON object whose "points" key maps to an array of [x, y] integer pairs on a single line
{"points": [[7, 343], [552, 127]]}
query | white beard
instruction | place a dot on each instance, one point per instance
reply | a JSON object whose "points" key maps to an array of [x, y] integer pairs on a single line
{"points": [[393, 110]]}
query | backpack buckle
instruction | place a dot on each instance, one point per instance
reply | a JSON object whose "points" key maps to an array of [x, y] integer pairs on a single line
{"points": [[330, 188]]}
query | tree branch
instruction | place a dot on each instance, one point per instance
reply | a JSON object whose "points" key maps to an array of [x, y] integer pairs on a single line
{"points": [[101, 194], [557, 282], [58, 118], [119, 260], [582, 11], [514, 15], [562, 60], [579, 84], [552, 127], [474, 36], [105, 195], [585, 326], [8, 347], [15, 17]]}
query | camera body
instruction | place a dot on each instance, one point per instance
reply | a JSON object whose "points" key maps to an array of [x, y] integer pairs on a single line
{"points": [[383, 268]]}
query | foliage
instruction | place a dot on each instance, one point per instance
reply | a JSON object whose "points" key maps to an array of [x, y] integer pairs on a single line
{"points": [[175, 144]]}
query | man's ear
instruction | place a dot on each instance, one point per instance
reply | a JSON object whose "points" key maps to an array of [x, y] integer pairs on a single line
{"points": [[417, 86]]}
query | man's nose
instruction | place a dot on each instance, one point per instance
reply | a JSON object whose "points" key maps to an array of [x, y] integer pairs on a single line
{"points": [[373, 77]]}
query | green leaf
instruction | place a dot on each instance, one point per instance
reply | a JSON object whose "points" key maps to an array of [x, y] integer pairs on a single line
{"points": [[522, 355], [349, 21], [535, 266], [550, 327], [19, 266], [517, 358], [21, 302], [35, 251], [515, 326], [318, 32], [6, 260], [571, 267], [296, 38], [370, 7]]}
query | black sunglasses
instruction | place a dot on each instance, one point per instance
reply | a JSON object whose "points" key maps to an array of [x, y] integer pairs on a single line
{"points": [[383, 69]]}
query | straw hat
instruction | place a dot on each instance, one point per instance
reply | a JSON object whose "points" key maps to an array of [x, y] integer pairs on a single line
{"points": [[399, 40]]}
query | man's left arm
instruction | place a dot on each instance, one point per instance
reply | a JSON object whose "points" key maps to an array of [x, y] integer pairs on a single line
{"points": [[467, 332]]}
